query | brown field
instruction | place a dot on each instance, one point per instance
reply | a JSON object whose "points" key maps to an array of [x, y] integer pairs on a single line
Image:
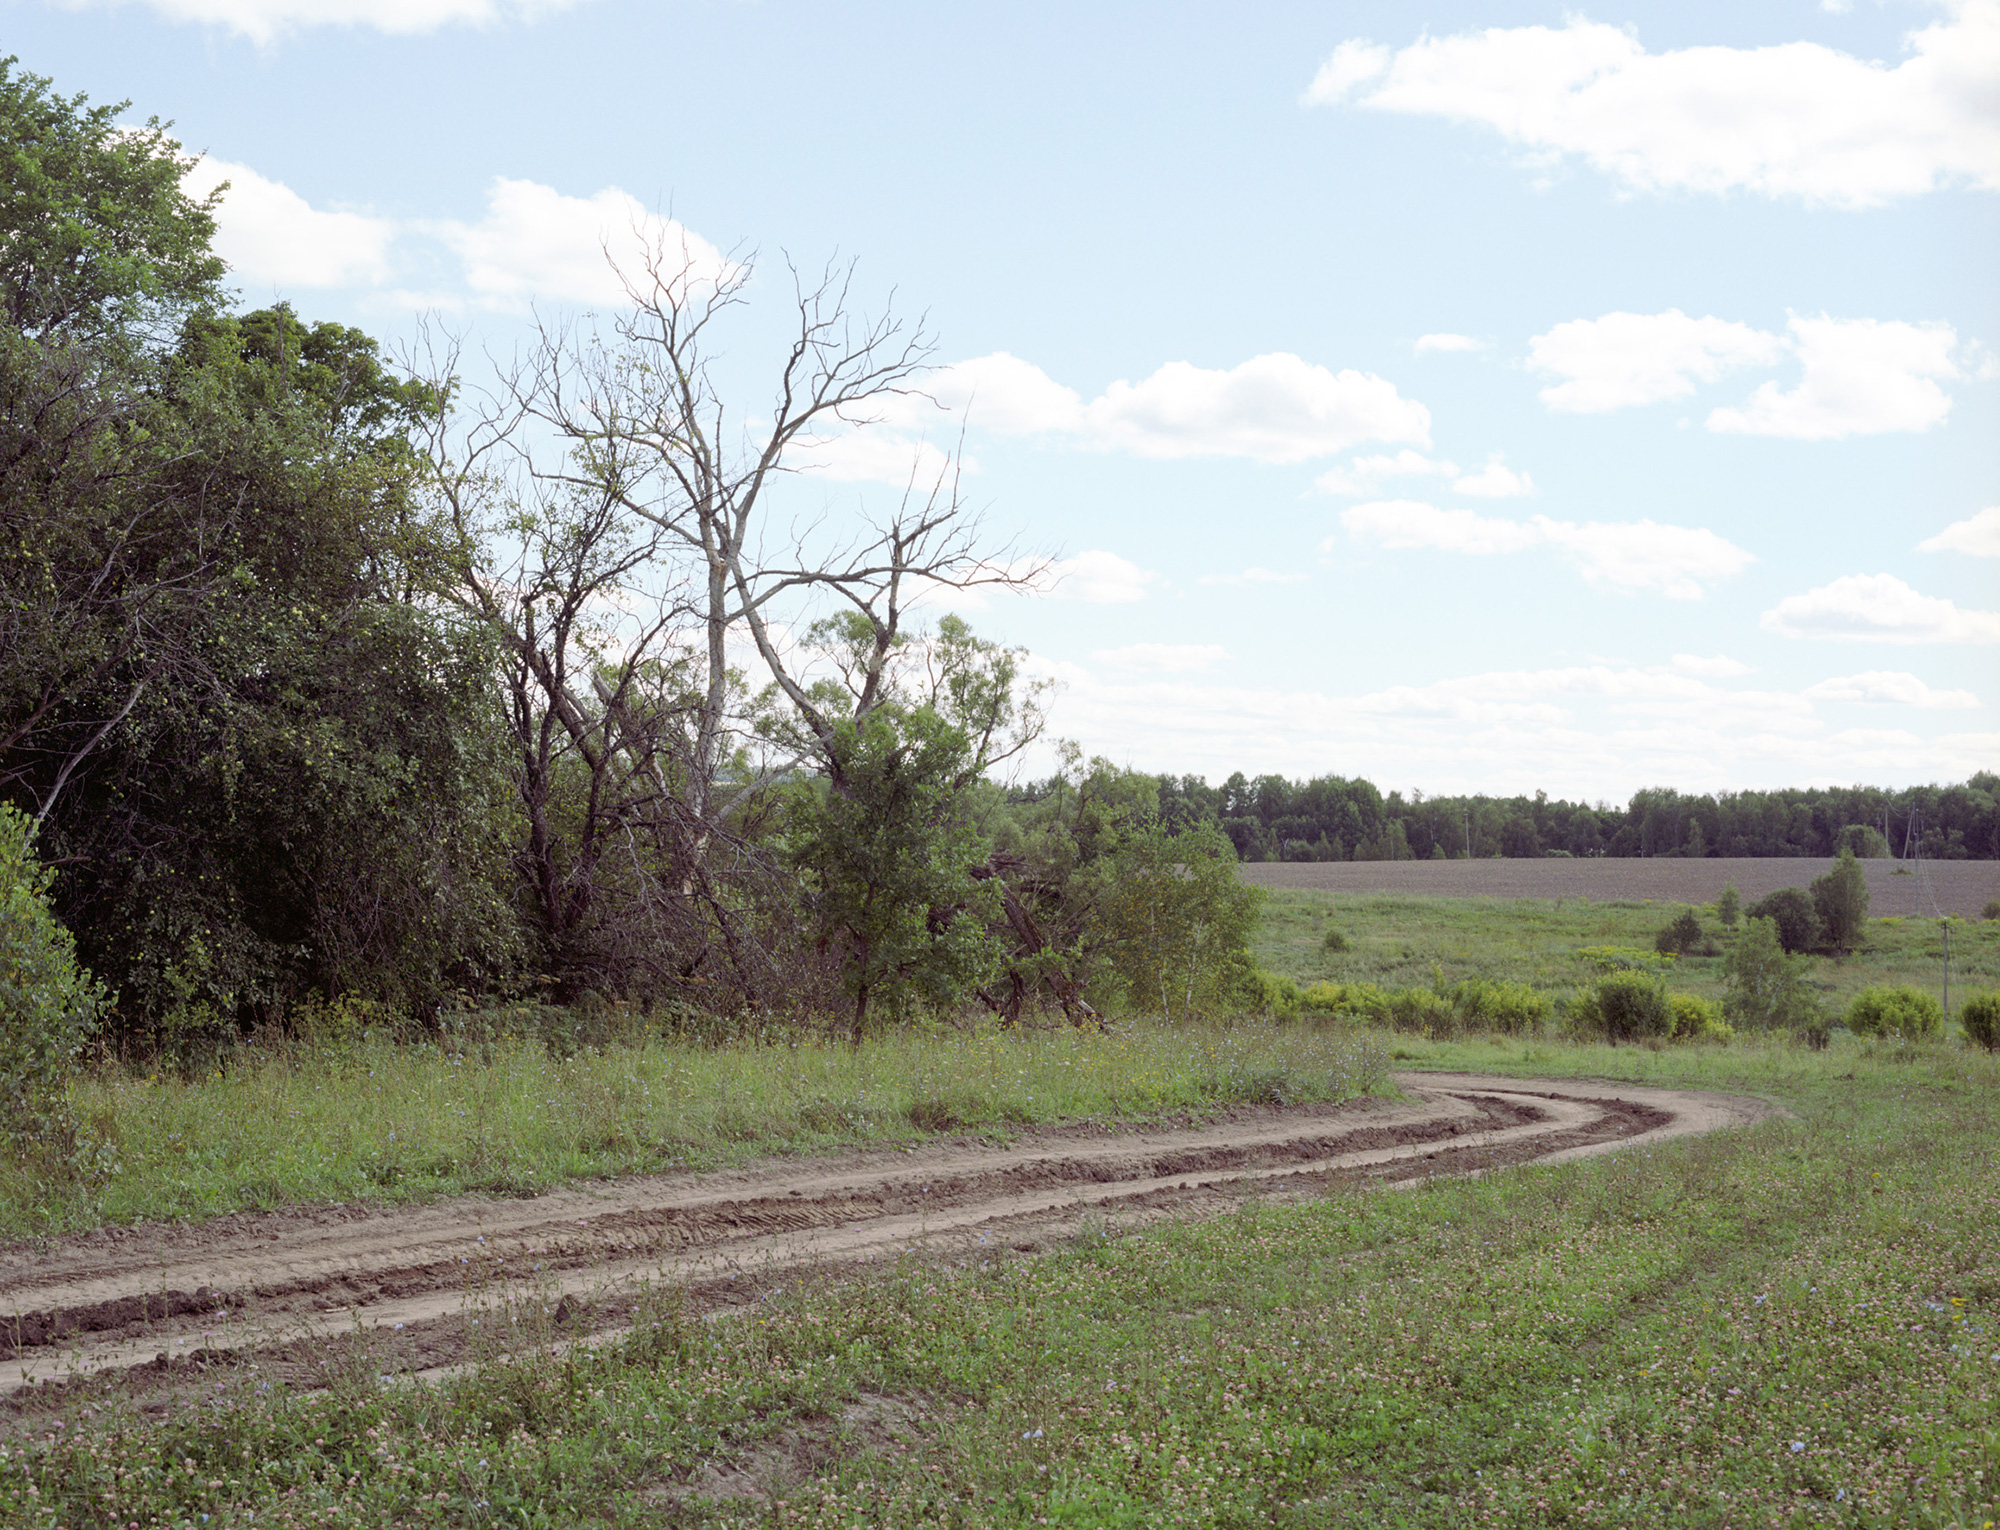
{"points": [[1959, 887]]}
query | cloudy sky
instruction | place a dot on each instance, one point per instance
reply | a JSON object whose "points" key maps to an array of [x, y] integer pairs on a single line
{"points": [[1480, 395]]}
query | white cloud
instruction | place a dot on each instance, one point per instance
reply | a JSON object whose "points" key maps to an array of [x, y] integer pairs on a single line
{"points": [[1445, 341], [1883, 687], [1678, 561], [1862, 376], [263, 20], [1977, 535], [1590, 731], [1716, 667], [1164, 658], [1858, 376], [1881, 608], [1253, 576], [1626, 359], [272, 236], [1098, 577], [1272, 408], [1796, 120], [1495, 481], [535, 243], [874, 456], [1366, 475]]}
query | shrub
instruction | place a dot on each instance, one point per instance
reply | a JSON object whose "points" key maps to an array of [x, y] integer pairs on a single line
{"points": [[1272, 994], [1992, 909], [1791, 910], [1897, 1010], [1333, 941], [1626, 1006], [1511, 1008], [1697, 1019], [1422, 1012], [1729, 907], [1359, 1001], [1680, 937], [1980, 1015], [48, 1004]]}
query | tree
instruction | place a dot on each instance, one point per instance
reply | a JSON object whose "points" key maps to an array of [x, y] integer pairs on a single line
{"points": [[1764, 986], [1840, 901], [1793, 916], [1729, 907], [1179, 920]]}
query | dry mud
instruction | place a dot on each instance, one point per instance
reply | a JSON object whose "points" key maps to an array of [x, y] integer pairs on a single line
{"points": [[301, 1294]]}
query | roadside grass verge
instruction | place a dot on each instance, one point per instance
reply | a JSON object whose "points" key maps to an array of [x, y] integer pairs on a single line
{"points": [[1795, 1324], [390, 1122]]}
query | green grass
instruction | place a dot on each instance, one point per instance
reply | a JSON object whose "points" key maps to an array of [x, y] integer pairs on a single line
{"points": [[1402, 941], [1796, 1324], [388, 1123]]}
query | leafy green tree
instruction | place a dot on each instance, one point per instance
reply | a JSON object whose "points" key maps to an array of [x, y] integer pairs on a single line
{"points": [[1179, 920], [1764, 987], [1840, 901], [886, 862], [48, 1005], [1791, 911], [1729, 907]]}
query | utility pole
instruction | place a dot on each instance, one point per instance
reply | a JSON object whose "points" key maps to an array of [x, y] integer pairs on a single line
{"points": [[1945, 925]]}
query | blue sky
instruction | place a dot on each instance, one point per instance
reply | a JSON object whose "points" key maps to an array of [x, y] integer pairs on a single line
{"points": [[1473, 397]]}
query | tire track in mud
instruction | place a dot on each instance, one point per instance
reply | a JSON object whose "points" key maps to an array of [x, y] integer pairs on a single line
{"points": [[412, 1285]]}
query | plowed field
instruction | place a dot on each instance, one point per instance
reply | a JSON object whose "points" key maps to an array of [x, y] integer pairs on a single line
{"points": [[288, 1291], [1958, 887]]}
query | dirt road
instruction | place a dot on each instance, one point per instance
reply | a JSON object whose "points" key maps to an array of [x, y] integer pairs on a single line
{"points": [[158, 1304]]}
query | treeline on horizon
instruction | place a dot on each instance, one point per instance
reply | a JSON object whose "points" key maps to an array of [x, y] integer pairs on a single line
{"points": [[1333, 818]]}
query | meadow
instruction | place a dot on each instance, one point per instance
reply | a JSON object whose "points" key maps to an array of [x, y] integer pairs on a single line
{"points": [[1793, 1324]]}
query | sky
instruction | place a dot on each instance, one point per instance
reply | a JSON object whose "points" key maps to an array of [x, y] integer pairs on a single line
{"points": [[1473, 396]]}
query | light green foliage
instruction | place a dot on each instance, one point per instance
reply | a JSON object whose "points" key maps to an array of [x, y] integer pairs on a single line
{"points": [[1865, 841], [1624, 959], [1512, 1009], [1840, 899], [1179, 921], [1898, 1011], [1729, 907], [886, 855], [1698, 1019], [1333, 942], [1764, 986], [48, 1005], [1980, 1015]]}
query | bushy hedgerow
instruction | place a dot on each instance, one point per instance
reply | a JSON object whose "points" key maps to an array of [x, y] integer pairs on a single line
{"points": [[1499, 1005], [1626, 1006], [1895, 1010]]}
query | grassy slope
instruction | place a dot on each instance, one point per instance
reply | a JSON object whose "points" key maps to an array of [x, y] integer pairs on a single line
{"points": [[1795, 1324]]}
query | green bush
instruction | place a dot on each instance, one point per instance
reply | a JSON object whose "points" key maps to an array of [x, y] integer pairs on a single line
{"points": [[1358, 1001], [1896, 1010], [1626, 1006], [1766, 989], [1422, 1012], [1511, 1008], [48, 1005], [1697, 1019], [1333, 942], [1980, 1015], [1272, 994], [1729, 906], [1992, 909]]}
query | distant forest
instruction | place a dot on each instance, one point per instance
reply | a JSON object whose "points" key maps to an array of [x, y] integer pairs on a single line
{"points": [[1331, 818]]}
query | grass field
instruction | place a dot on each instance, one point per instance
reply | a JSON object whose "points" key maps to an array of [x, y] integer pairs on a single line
{"points": [[1404, 940], [1797, 1324]]}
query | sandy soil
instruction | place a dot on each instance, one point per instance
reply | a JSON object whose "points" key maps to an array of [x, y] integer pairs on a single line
{"points": [[1958, 887], [422, 1289]]}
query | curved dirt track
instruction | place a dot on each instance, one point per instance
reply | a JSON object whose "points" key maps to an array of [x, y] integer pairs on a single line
{"points": [[160, 1303]]}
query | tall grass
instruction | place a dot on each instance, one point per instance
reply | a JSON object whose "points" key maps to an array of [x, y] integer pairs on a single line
{"points": [[386, 1121]]}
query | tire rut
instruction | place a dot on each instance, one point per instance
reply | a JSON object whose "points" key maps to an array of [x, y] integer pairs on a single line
{"points": [[158, 1301]]}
